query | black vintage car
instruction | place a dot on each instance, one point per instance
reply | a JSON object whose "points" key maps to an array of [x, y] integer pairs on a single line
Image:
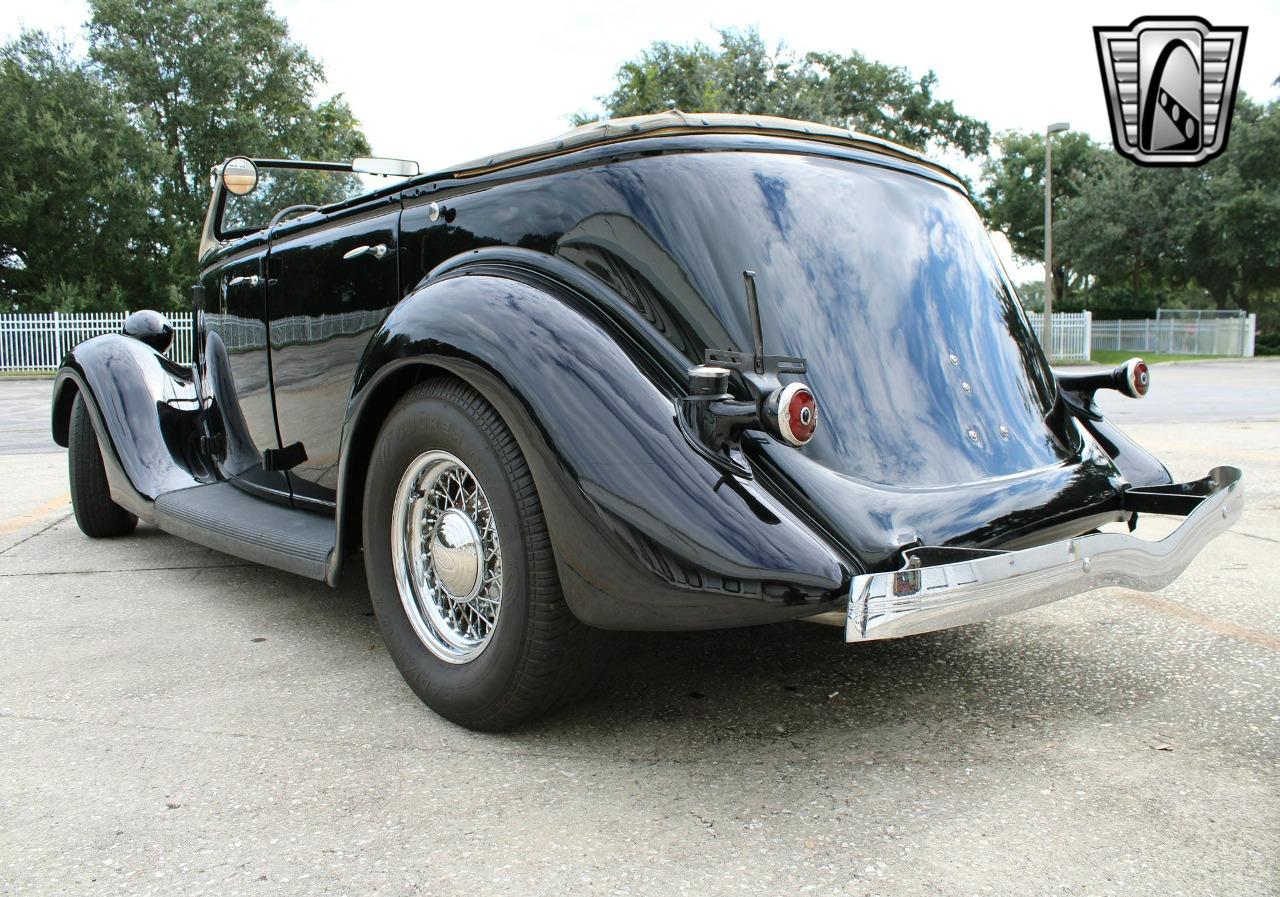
{"points": [[671, 372]]}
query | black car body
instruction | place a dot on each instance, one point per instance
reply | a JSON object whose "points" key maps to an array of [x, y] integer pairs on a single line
{"points": [[631, 300]]}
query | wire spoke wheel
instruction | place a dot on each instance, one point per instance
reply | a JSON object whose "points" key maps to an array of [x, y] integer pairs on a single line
{"points": [[447, 557], [462, 575]]}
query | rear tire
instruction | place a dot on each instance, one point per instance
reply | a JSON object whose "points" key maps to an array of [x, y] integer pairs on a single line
{"points": [[96, 514], [472, 613]]}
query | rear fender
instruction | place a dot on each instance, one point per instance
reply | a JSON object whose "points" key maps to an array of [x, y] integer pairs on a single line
{"points": [[648, 532]]}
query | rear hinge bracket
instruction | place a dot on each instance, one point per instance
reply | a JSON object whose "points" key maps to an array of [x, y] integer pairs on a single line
{"points": [[755, 361], [286, 458], [213, 446]]}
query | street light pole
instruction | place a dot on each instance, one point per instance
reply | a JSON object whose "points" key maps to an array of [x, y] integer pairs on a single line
{"points": [[1047, 327]]}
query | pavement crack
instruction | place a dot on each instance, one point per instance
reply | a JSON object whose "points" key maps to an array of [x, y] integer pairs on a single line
{"points": [[502, 751], [1204, 621], [39, 532], [1237, 532], [126, 570]]}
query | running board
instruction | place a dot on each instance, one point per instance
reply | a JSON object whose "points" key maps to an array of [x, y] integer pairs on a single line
{"points": [[221, 517]]}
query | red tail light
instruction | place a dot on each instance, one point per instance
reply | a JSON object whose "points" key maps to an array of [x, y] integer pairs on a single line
{"points": [[793, 413], [1137, 378]]}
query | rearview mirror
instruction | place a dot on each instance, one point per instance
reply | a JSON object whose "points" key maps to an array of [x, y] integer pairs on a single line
{"points": [[399, 168], [239, 176]]}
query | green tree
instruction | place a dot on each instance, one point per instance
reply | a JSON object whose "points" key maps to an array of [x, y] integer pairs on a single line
{"points": [[1119, 228], [742, 75], [77, 229], [104, 179], [1128, 236], [209, 79], [1013, 196], [1229, 213]]}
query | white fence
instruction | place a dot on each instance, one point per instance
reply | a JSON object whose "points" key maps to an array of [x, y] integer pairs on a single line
{"points": [[1178, 336], [239, 332], [1072, 332], [38, 342]]}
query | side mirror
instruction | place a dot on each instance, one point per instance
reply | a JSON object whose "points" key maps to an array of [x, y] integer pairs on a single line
{"points": [[396, 168], [239, 176]]}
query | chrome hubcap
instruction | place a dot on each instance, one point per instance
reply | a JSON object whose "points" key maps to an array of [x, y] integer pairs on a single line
{"points": [[447, 558], [457, 555]]}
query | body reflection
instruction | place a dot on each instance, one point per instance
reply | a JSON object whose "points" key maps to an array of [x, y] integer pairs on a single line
{"points": [[918, 350], [238, 374], [937, 402]]}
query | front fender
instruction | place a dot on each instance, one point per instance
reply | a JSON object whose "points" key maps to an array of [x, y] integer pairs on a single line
{"points": [[648, 532], [145, 410]]}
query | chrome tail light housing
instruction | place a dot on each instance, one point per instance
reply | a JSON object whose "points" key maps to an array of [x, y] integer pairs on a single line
{"points": [[791, 414]]}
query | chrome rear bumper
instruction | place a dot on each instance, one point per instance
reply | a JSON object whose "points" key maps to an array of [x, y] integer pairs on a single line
{"points": [[932, 593]]}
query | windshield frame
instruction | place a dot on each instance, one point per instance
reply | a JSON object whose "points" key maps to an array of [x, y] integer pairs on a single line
{"points": [[227, 235]]}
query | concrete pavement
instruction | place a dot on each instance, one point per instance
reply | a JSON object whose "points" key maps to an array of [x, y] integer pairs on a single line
{"points": [[174, 721], [24, 417]]}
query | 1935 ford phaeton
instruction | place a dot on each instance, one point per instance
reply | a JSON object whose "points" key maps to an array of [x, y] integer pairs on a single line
{"points": [[672, 372]]}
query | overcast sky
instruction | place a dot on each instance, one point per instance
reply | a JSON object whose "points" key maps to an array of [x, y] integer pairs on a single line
{"points": [[447, 82]]}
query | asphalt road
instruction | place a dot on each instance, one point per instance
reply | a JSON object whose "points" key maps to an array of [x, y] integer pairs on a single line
{"points": [[24, 417], [1202, 391], [174, 721]]}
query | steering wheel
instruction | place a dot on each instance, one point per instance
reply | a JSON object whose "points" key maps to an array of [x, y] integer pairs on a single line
{"points": [[290, 210]]}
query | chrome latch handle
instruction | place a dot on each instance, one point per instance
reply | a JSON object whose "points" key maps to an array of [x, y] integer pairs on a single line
{"points": [[376, 251], [247, 280]]}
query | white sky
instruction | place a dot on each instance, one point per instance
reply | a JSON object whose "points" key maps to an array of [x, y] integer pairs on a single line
{"points": [[444, 82]]}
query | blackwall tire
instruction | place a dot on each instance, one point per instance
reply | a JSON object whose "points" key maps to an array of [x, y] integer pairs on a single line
{"points": [[96, 514], [448, 496]]}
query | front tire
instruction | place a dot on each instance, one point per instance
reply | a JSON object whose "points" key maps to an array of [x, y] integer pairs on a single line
{"points": [[96, 514], [460, 567]]}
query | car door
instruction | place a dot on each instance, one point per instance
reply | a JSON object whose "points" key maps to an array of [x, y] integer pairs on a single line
{"points": [[333, 282], [237, 372]]}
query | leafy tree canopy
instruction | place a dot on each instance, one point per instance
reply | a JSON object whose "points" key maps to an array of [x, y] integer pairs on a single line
{"points": [[742, 75], [242, 87], [1117, 225], [1228, 223], [104, 177], [71, 211], [169, 89], [1013, 195], [1129, 236]]}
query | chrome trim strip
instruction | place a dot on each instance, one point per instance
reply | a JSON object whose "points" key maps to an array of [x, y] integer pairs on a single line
{"points": [[923, 599]]}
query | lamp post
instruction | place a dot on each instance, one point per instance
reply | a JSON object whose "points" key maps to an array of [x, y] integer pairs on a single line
{"points": [[1047, 327]]}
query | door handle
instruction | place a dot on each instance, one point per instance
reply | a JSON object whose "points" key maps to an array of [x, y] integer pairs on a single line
{"points": [[376, 251], [248, 280]]}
